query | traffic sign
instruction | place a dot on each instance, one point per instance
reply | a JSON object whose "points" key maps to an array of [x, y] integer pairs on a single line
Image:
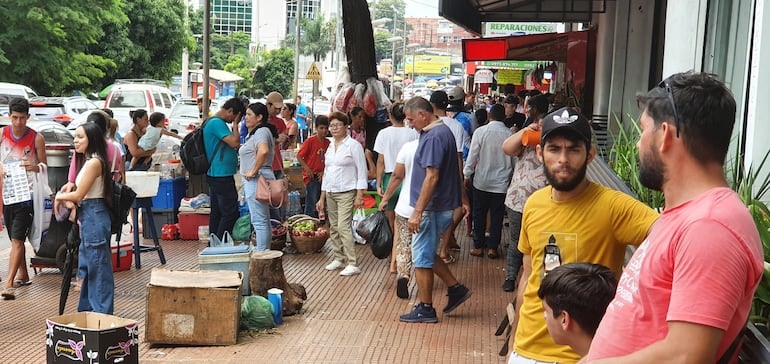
{"points": [[313, 73]]}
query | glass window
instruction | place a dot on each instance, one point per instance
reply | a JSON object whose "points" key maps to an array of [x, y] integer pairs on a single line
{"points": [[128, 98]]}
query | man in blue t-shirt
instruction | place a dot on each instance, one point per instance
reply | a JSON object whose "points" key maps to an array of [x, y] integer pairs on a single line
{"points": [[434, 203], [222, 150]]}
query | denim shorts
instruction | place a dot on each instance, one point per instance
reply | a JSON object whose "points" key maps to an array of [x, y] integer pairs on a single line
{"points": [[424, 242]]}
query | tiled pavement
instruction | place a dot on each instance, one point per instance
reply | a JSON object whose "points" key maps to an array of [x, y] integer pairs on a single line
{"points": [[346, 319]]}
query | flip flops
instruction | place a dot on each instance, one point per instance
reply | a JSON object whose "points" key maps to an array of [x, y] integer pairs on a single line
{"points": [[449, 259], [9, 293], [20, 283]]}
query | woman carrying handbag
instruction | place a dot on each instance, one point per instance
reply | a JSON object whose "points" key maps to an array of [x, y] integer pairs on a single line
{"points": [[256, 156]]}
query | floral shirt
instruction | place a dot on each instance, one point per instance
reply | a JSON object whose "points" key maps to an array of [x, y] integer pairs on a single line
{"points": [[528, 177]]}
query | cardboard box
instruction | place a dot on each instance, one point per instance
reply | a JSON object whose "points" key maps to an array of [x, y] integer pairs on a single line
{"points": [[91, 337], [193, 307]]}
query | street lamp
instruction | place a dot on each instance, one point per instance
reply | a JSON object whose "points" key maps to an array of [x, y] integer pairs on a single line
{"points": [[413, 47], [393, 41]]}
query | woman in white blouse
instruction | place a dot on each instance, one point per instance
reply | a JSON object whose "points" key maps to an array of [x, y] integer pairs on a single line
{"points": [[342, 190]]}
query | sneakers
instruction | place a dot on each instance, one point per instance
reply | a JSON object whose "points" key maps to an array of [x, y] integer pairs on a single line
{"points": [[509, 285], [350, 270], [334, 265], [457, 295], [477, 252], [421, 313], [402, 288]]}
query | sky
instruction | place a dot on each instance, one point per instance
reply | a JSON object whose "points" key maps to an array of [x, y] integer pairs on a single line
{"points": [[422, 8]]}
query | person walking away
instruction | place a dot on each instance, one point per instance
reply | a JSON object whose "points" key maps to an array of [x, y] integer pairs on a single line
{"points": [[389, 141], [256, 160], [24, 147], [491, 168], [221, 149], [402, 239], [93, 195], [571, 220], [152, 134], [527, 177], [131, 143], [287, 114], [433, 203], [691, 284], [311, 157], [345, 192]]}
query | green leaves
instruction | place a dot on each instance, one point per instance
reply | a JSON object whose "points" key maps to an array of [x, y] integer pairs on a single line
{"points": [[624, 160]]}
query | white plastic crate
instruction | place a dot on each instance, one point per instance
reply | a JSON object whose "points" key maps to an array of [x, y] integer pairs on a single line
{"points": [[145, 184]]}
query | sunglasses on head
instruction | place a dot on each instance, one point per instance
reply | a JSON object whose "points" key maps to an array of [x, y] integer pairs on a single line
{"points": [[670, 95]]}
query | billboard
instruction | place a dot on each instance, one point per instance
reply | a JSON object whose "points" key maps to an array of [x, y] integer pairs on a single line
{"points": [[427, 64], [504, 29]]}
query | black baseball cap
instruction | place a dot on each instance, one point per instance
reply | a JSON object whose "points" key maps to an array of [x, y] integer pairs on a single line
{"points": [[566, 118]]}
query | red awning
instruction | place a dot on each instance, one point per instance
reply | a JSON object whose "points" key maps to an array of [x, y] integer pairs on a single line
{"points": [[534, 47]]}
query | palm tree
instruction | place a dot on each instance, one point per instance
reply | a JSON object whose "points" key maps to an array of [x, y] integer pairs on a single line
{"points": [[317, 40]]}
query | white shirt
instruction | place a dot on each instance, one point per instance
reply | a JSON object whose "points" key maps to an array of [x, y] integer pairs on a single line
{"points": [[406, 157], [486, 159], [345, 168], [389, 141], [462, 139], [150, 138]]}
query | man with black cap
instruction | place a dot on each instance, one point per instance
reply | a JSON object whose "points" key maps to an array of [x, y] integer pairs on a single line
{"points": [[513, 120], [572, 220]]}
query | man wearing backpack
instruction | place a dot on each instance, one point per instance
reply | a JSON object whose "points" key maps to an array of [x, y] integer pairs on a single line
{"points": [[224, 164]]}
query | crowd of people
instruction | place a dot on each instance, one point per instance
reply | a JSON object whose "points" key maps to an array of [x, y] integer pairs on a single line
{"points": [[442, 159]]}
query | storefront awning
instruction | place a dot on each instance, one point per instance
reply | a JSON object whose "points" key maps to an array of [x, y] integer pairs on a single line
{"points": [[534, 47], [471, 14]]}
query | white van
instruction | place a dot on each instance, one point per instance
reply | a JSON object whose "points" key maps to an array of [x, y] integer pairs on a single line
{"points": [[9, 91], [123, 98]]}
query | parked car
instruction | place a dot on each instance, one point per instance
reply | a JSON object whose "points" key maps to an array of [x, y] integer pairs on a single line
{"points": [[184, 116], [125, 97], [62, 110], [9, 91]]}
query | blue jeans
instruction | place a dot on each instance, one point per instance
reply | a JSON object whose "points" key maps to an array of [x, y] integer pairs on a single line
{"points": [[259, 212], [312, 194], [514, 258], [224, 205], [424, 242], [97, 293], [484, 202]]}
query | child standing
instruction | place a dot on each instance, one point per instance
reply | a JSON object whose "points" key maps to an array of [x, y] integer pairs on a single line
{"points": [[311, 158]]}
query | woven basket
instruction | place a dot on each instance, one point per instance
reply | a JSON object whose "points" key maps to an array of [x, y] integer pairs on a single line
{"points": [[307, 244], [277, 242]]}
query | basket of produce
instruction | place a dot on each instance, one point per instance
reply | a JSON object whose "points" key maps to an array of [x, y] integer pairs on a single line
{"points": [[278, 242], [307, 234]]}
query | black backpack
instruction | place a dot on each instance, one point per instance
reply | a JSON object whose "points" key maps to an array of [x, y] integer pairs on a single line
{"points": [[193, 151], [122, 199]]}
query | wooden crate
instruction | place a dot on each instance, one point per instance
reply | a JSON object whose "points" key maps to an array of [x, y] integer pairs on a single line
{"points": [[193, 307]]}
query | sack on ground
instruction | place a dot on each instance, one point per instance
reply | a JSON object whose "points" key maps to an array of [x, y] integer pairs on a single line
{"points": [[257, 314], [242, 228], [358, 216], [375, 229], [122, 199]]}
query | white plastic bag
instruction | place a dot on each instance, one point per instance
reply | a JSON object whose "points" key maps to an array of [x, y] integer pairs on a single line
{"points": [[358, 216], [42, 205]]}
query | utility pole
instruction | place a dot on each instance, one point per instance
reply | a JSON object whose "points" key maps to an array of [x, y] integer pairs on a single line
{"points": [[186, 53], [206, 56], [296, 47]]}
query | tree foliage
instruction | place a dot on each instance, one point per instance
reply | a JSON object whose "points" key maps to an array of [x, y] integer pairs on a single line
{"points": [[317, 37], [44, 42], [276, 72]]}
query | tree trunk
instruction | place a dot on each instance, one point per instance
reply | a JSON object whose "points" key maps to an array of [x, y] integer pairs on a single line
{"points": [[359, 40], [266, 271]]}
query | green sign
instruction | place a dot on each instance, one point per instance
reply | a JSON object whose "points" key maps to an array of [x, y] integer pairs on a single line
{"points": [[513, 65]]}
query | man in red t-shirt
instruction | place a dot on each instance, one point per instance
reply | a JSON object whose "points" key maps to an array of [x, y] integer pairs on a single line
{"points": [[311, 158], [274, 105]]}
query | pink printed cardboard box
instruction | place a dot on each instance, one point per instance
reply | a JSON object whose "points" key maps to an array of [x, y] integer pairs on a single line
{"points": [[89, 337]]}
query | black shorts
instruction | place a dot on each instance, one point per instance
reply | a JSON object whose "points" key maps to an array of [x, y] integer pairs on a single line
{"points": [[18, 219]]}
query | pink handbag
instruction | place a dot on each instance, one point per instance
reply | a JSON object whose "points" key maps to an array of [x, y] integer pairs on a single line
{"points": [[275, 192]]}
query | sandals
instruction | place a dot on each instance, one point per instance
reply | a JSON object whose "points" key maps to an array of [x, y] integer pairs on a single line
{"points": [[448, 259], [9, 293], [20, 283]]}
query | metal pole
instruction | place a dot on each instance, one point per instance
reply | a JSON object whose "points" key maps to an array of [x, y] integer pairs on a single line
{"points": [[206, 56], [296, 47], [392, 69], [186, 53]]}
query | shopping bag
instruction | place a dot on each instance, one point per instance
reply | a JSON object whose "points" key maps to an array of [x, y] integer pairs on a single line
{"points": [[242, 228], [226, 240], [358, 216], [42, 205], [375, 229]]}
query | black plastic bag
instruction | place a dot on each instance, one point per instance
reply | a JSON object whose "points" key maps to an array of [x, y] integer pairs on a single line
{"points": [[375, 229]]}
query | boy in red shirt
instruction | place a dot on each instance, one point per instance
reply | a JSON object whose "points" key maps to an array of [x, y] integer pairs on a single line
{"points": [[311, 158]]}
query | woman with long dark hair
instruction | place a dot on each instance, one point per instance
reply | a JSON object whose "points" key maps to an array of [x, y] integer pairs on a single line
{"points": [[93, 195], [131, 142], [256, 156]]}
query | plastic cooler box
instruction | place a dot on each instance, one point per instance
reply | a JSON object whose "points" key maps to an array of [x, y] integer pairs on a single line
{"points": [[126, 256], [188, 224], [235, 258], [170, 193]]}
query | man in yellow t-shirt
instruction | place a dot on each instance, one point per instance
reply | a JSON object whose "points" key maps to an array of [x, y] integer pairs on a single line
{"points": [[572, 220]]}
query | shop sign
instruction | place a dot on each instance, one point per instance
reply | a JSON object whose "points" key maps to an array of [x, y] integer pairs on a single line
{"points": [[513, 77], [483, 76], [428, 64], [504, 29], [510, 65]]}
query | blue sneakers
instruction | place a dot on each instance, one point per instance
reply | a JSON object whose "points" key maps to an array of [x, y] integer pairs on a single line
{"points": [[421, 313]]}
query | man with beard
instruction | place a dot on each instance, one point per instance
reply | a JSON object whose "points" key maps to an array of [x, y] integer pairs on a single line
{"points": [[572, 220], [704, 245]]}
